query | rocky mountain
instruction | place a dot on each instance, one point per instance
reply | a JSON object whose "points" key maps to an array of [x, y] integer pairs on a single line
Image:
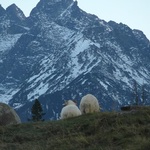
{"points": [[61, 52]]}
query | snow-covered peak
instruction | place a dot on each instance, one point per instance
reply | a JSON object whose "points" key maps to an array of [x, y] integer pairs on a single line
{"points": [[52, 2], [2, 10], [15, 13], [50, 9], [140, 35]]}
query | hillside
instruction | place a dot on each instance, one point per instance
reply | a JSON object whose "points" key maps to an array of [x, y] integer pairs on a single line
{"points": [[99, 131]]}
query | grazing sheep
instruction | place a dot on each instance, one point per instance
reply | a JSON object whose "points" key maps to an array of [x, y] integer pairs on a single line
{"points": [[89, 104], [69, 110]]}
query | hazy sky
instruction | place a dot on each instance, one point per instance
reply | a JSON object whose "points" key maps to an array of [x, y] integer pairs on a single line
{"points": [[134, 13]]}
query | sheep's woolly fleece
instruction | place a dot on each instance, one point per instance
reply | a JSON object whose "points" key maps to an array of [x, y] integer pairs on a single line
{"points": [[70, 110], [89, 104]]}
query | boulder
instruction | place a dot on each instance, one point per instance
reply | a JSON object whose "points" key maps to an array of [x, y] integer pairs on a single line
{"points": [[8, 115]]}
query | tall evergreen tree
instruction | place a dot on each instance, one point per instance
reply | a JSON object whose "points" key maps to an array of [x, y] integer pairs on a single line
{"points": [[37, 111]]}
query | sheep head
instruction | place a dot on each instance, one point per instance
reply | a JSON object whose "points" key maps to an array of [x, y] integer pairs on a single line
{"points": [[70, 102]]}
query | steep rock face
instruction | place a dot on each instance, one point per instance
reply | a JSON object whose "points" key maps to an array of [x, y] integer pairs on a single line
{"points": [[14, 13], [47, 10], [12, 20], [51, 9], [65, 53], [12, 26], [2, 10]]}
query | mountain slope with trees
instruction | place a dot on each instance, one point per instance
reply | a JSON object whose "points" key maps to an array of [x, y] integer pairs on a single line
{"points": [[60, 52]]}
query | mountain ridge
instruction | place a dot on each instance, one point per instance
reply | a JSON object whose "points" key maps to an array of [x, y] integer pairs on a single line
{"points": [[67, 53]]}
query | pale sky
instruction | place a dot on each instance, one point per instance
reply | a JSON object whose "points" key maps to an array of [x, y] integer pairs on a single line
{"points": [[134, 13]]}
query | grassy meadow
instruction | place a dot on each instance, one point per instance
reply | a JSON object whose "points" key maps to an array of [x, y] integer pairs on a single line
{"points": [[98, 131]]}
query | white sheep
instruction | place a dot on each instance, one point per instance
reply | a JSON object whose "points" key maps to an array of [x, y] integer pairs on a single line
{"points": [[69, 110], [89, 104]]}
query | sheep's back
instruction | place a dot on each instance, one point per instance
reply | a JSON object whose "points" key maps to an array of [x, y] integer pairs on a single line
{"points": [[70, 111], [89, 104]]}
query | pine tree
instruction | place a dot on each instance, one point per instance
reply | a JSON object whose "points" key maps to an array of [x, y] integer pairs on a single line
{"points": [[37, 111]]}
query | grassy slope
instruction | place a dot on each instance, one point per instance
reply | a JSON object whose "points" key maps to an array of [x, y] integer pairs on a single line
{"points": [[99, 131]]}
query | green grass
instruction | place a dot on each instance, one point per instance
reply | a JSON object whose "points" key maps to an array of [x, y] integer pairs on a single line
{"points": [[99, 131]]}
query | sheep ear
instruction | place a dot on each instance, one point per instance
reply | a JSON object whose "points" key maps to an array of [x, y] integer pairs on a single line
{"points": [[75, 102], [65, 103], [100, 108]]}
